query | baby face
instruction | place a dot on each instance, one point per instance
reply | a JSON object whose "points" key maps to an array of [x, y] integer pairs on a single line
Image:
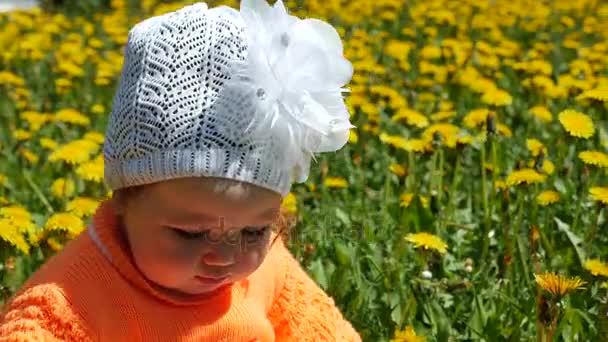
{"points": [[188, 240]]}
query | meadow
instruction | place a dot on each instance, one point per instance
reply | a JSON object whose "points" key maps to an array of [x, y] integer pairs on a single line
{"points": [[470, 203]]}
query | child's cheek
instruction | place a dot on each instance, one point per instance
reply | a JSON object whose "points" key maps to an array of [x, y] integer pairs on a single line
{"points": [[252, 259]]}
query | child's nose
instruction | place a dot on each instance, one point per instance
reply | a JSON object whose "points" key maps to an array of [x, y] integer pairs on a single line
{"points": [[220, 257]]}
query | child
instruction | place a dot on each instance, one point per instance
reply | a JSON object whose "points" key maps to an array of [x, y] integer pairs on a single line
{"points": [[217, 113]]}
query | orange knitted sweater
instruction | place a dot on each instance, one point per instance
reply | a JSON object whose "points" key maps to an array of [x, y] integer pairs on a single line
{"points": [[92, 291]]}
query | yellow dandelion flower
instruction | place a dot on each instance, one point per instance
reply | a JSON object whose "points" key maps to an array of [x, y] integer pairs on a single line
{"points": [[577, 124], [74, 152], [62, 188], [447, 131], [496, 97], [406, 200], [535, 147], [443, 115], [65, 221], [416, 145], [558, 285], [427, 241], [504, 130], [62, 84], [98, 109], [93, 170], [491, 167], [464, 140], [548, 167], [407, 335], [29, 155], [596, 158], [35, 120], [3, 179], [411, 117], [290, 203], [426, 97], [541, 113], [500, 185], [430, 52], [547, 197], [82, 206], [596, 267], [54, 244], [10, 234], [393, 140], [446, 105], [353, 137], [599, 94], [398, 169], [599, 194], [48, 144], [476, 118], [21, 135], [335, 182], [15, 212], [95, 137], [525, 176], [72, 116]]}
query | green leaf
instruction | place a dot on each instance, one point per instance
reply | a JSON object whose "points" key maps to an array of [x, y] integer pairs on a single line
{"points": [[343, 252], [343, 217], [575, 240], [317, 271]]}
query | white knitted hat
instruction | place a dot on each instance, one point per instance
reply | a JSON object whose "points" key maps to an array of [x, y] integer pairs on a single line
{"points": [[247, 95]]}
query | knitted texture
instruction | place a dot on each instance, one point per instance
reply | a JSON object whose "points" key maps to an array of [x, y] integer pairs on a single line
{"points": [[173, 114], [82, 295], [303, 312], [164, 121]]}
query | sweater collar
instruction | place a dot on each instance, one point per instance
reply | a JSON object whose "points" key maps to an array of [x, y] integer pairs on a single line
{"points": [[105, 230]]}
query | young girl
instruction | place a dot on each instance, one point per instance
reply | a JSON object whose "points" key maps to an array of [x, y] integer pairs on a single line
{"points": [[217, 113]]}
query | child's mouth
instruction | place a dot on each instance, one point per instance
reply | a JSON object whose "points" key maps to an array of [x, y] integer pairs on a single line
{"points": [[212, 280]]}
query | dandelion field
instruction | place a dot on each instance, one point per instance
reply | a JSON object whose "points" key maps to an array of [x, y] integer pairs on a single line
{"points": [[470, 203]]}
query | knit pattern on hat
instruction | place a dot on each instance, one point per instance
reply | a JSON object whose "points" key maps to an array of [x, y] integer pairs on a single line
{"points": [[171, 116]]}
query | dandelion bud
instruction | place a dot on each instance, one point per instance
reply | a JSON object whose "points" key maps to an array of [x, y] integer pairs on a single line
{"points": [[434, 202], [437, 138], [468, 265], [426, 274], [585, 173], [534, 234], [491, 124], [540, 160]]}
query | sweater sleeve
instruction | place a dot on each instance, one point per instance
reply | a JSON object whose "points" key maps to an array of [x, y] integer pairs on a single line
{"points": [[41, 313], [302, 311]]}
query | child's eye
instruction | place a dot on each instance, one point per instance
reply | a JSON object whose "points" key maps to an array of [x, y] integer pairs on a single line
{"points": [[188, 235], [254, 233]]}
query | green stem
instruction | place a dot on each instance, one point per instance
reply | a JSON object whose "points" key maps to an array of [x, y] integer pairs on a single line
{"points": [[411, 177], [433, 172], [486, 210], [593, 230], [580, 197], [37, 191], [520, 244], [453, 186]]}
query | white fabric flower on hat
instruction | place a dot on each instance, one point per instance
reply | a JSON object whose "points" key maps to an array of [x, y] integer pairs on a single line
{"points": [[295, 69]]}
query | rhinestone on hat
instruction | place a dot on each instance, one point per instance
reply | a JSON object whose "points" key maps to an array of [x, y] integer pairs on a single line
{"points": [[261, 93], [285, 39]]}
